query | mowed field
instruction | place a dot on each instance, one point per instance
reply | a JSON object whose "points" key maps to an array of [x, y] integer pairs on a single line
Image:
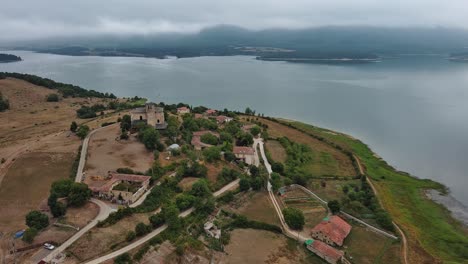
{"points": [[326, 159], [27, 184], [249, 246], [106, 153], [277, 152]]}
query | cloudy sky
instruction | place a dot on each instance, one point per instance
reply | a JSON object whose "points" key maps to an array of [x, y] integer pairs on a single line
{"points": [[29, 19]]}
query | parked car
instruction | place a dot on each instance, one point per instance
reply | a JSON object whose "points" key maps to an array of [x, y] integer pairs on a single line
{"points": [[49, 246]]}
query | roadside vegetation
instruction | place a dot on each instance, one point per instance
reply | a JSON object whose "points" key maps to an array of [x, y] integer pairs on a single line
{"points": [[4, 103]]}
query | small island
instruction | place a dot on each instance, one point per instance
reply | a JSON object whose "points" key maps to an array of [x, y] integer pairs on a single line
{"points": [[4, 58]]}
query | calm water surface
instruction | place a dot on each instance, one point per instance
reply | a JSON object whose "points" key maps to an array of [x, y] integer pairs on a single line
{"points": [[412, 111]]}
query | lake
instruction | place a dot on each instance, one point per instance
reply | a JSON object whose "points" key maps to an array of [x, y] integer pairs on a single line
{"points": [[412, 111]]}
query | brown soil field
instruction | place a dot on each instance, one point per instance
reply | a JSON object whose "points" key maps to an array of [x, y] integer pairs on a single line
{"points": [[27, 184], [106, 153], [328, 160], [277, 152], [256, 246], [99, 241], [256, 206]]}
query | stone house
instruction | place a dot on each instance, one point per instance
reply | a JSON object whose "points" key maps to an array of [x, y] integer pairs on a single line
{"points": [[183, 110], [223, 119], [151, 115], [246, 154], [329, 254]]}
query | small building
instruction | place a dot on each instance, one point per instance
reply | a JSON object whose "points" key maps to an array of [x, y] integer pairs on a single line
{"points": [[122, 188], [196, 139], [332, 230], [246, 154], [223, 119], [329, 254], [198, 116], [183, 110], [151, 115], [212, 230], [210, 112]]}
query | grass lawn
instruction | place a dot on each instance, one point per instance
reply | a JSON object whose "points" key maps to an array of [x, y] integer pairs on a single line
{"points": [[367, 247], [433, 235]]}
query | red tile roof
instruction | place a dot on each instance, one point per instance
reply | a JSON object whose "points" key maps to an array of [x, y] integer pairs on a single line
{"points": [[335, 228], [183, 108], [222, 119], [326, 250], [243, 150], [210, 111], [197, 116]]}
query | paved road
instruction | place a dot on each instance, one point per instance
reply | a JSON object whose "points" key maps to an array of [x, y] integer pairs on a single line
{"points": [[157, 231], [104, 211]]}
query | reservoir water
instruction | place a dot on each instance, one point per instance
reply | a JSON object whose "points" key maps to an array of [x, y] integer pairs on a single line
{"points": [[412, 111]]}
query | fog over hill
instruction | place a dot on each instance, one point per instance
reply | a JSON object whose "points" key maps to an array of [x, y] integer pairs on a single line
{"points": [[330, 41]]}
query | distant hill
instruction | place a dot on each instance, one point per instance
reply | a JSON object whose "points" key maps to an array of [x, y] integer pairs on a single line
{"points": [[9, 58], [312, 43]]}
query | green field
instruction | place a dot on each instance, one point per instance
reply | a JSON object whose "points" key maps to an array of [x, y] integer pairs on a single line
{"points": [[432, 233]]}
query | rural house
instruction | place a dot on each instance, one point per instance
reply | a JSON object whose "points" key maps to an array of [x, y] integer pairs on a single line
{"points": [[329, 254], [151, 115], [223, 119], [246, 154], [210, 112], [332, 230], [123, 188], [183, 110]]}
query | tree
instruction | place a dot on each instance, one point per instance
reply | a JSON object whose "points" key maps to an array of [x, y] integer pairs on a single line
{"points": [[130, 236], [149, 137], [255, 130], [59, 209], [52, 98], [275, 181], [126, 123], [4, 104], [171, 216], [256, 183], [61, 187], [334, 206], [277, 167], [185, 201], [211, 154], [201, 189], [157, 220], [73, 126], [254, 171], [245, 139], [294, 218], [209, 139], [79, 194], [37, 220], [225, 137], [82, 131], [229, 156], [244, 184], [384, 220], [29, 235]]}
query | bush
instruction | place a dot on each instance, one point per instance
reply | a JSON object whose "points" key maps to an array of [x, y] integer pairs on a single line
{"points": [[149, 137], [126, 123], [184, 201], [29, 235], [294, 218], [244, 184], [82, 131], [73, 126], [130, 236], [52, 98], [277, 167], [142, 229], [229, 156], [4, 104], [209, 139], [156, 220], [37, 220], [241, 221], [384, 220], [255, 130], [201, 189], [123, 259], [85, 112]]}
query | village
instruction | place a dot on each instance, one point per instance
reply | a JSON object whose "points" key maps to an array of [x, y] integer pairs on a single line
{"points": [[182, 184]]}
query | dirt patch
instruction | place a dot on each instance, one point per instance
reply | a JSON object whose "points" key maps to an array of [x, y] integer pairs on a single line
{"points": [[276, 150], [99, 241], [186, 183], [255, 246], [27, 184], [106, 153]]}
